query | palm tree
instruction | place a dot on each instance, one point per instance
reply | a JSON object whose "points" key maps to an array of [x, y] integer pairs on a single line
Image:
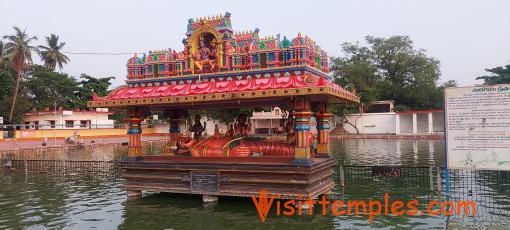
{"points": [[19, 52], [51, 54]]}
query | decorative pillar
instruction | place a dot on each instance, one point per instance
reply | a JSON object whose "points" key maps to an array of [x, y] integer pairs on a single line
{"points": [[227, 55], [175, 119], [220, 61], [323, 116], [135, 118], [302, 114]]}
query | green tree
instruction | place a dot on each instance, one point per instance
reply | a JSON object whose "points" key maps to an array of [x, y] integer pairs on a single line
{"points": [[4, 59], [7, 79], [389, 69], [19, 51], [47, 87], [499, 75], [23, 105], [357, 71], [438, 94], [52, 54], [227, 116], [87, 84]]}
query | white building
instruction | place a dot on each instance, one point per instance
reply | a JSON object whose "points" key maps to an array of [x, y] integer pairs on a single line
{"points": [[267, 122], [371, 123], [68, 119], [421, 122]]}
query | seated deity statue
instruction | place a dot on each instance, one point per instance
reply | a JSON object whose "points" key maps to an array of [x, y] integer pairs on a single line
{"points": [[213, 55], [217, 133], [206, 58]]}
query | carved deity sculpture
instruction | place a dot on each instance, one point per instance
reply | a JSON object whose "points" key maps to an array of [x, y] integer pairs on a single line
{"points": [[241, 128], [213, 55], [197, 128], [205, 58], [202, 55], [217, 133], [289, 128], [230, 131]]}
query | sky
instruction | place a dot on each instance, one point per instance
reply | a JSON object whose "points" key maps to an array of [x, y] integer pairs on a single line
{"points": [[466, 36]]}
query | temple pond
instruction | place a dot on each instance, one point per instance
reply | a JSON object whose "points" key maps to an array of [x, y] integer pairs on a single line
{"points": [[97, 201]]}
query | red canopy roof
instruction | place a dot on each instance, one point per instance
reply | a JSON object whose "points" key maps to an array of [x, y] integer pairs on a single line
{"points": [[216, 87]]}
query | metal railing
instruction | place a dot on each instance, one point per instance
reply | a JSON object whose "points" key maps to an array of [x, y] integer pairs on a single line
{"points": [[56, 166]]}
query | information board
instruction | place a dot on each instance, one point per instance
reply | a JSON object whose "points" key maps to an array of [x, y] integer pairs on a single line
{"points": [[478, 127], [204, 181]]}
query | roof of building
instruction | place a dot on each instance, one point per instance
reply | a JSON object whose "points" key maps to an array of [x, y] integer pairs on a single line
{"points": [[247, 71], [31, 113], [420, 111]]}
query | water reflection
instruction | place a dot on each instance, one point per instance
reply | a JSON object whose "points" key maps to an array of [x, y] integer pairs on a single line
{"points": [[166, 211], [389, 152], [44, 201]]}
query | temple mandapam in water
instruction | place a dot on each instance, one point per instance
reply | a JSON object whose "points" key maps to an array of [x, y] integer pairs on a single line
{"points": [[220, 68]]}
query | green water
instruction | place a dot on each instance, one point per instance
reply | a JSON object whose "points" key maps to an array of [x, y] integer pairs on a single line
{"points": [[98, 201]]}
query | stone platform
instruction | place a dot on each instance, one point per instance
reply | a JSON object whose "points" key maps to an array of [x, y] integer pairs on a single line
{"points": [[229, 176]]}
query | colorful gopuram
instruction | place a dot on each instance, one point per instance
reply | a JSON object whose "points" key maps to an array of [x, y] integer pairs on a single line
{"points": [[220, 68]]}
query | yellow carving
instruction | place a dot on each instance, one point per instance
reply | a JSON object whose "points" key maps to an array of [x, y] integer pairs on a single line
{"points": [[323, 148], [220, 47], [195, 39], [135, 152], [302, 152]]}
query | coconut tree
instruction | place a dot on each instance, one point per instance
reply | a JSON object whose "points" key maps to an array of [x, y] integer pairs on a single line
{"points": [[19, 52], [51, 54]]}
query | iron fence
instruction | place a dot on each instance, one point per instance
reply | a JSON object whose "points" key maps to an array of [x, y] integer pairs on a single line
{"points": [[490, 190], [60, 167]]}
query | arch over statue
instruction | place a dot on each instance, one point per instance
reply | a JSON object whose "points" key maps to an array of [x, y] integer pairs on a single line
{"points": [[206, 44]]}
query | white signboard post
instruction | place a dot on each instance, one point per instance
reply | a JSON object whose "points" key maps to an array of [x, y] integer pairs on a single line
{"points": [[477, 123]]}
